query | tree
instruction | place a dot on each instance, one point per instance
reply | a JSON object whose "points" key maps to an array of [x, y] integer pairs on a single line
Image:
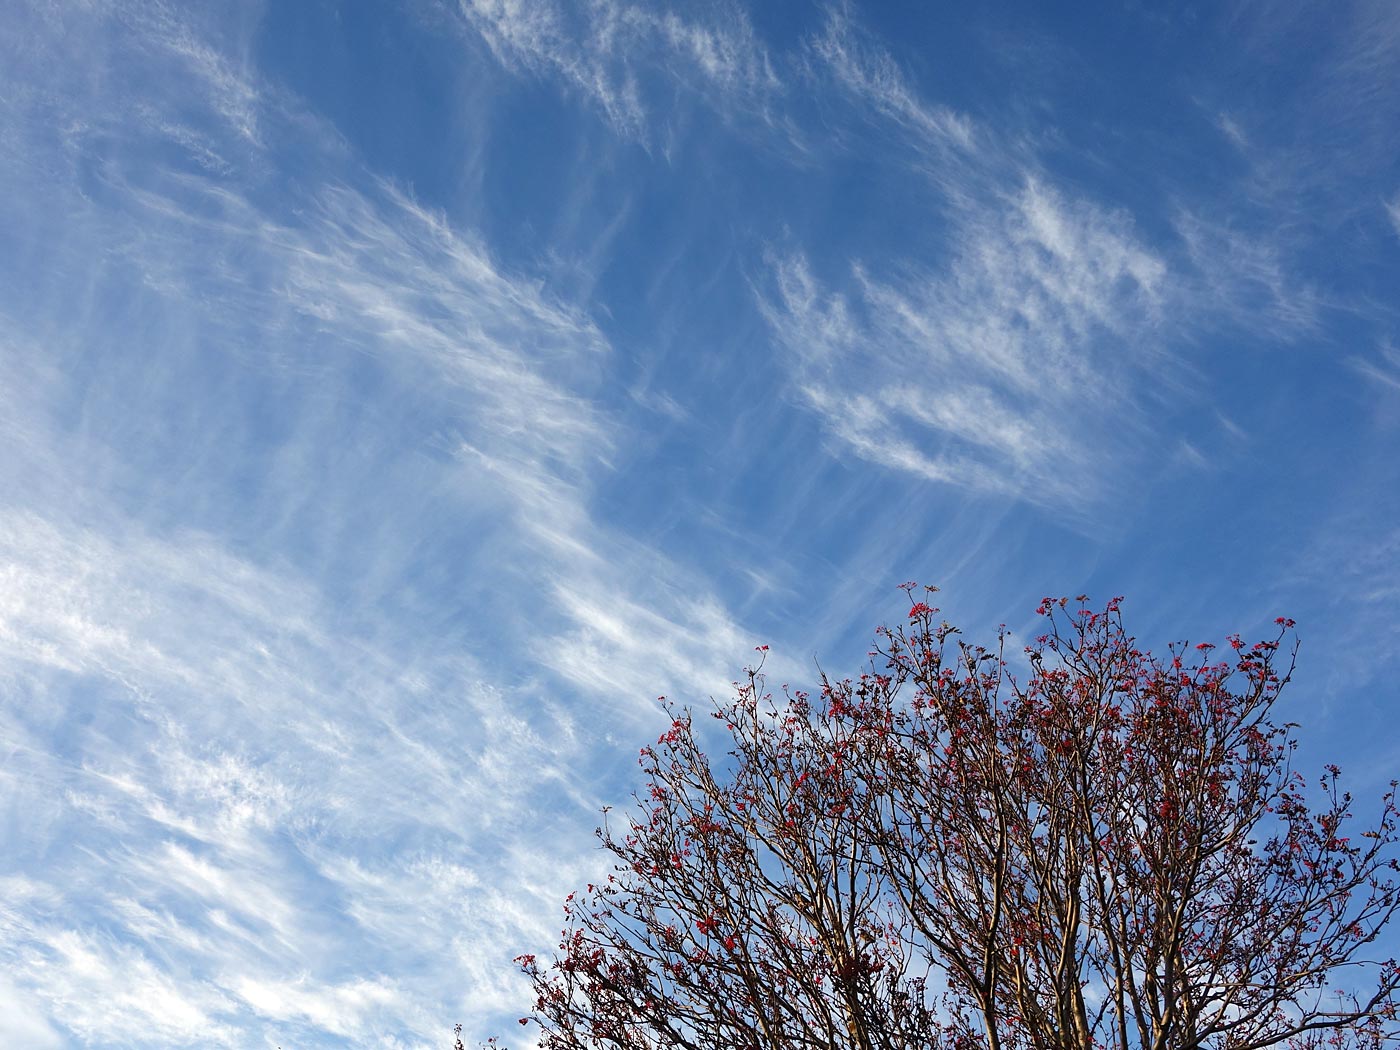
{"points": [[1107, 849]]}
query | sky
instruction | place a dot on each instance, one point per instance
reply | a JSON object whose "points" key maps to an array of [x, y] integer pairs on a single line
{"points": [[398, 396]]}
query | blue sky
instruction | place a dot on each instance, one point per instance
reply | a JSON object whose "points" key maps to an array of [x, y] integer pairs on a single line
{"points": [[397, 397]]}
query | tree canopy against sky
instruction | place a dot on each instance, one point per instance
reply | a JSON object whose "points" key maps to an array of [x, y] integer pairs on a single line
{"points": [[395, 397], [1108, 849]]}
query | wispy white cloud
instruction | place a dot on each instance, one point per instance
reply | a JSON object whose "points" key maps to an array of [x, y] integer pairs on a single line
{"points": [[22, 1023], [342, 1009], [622, 645], [865, 70], [1244, 280], [114, 994], [1231, 129], [1001, 371], [1055, 301], [1346, 566], [621, 56], [1004, 364], [1317, 132], [1382, 368]]}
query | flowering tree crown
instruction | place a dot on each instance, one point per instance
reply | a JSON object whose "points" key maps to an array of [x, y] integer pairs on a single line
{"points": [[1108, 850]]}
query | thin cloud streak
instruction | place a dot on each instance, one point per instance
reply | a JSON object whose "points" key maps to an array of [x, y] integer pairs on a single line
{"points": [[867, 72], [607, 50], [1243, 281], [994, 372], [1383, 368]]}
